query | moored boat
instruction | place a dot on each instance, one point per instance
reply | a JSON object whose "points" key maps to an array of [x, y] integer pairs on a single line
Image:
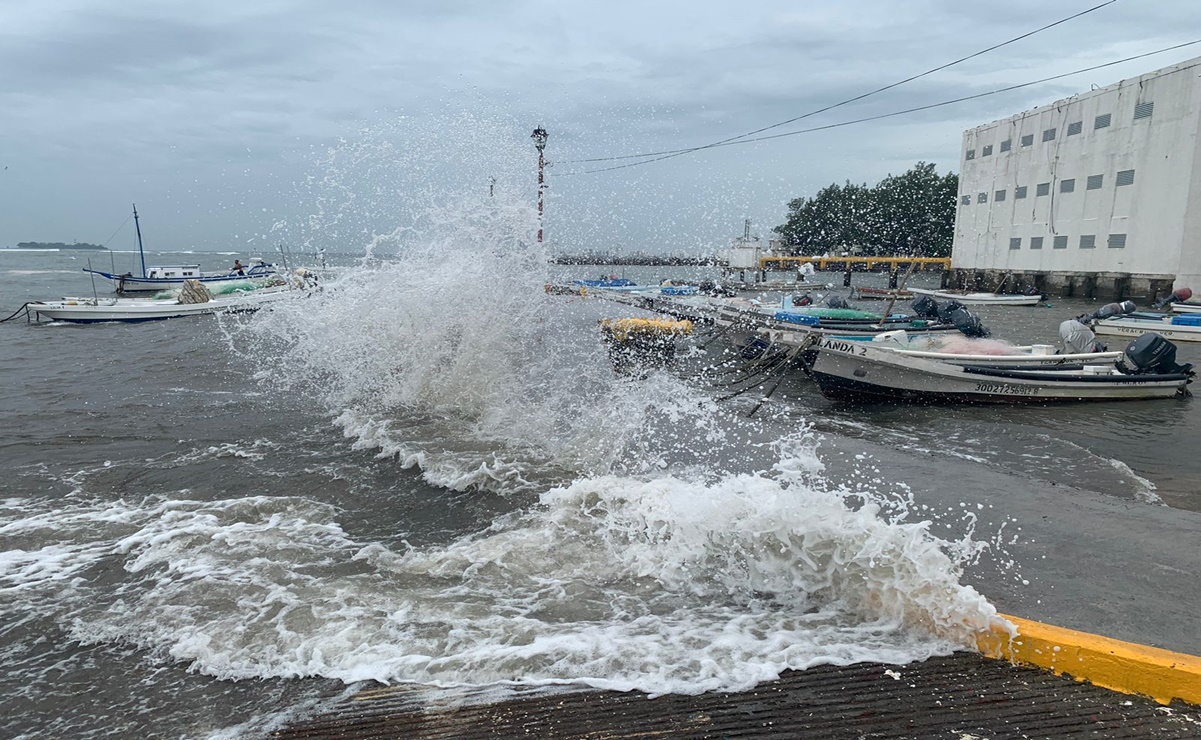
{"points": [[132, 310], [866, 372], [173, 277], [981, 298], [1184, 327]]}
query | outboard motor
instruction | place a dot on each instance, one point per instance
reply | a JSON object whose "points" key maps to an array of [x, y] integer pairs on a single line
{"points": [[968, 323], [837, 301], [1151, 354], [947, 308], [1179, 295], [1078, 338], [926, 307], [1109, 309], [804, 300]]}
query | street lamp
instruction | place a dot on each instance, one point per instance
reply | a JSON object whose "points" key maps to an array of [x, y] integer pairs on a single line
{"points": [[539, 136]]}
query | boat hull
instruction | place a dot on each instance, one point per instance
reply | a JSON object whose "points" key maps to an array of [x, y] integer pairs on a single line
{"points": [[1133, 327], [858, 372], [87, 311], [981, 299]]}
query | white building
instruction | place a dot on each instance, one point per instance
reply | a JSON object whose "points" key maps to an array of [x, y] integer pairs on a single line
{"points": [[1108, 181]]}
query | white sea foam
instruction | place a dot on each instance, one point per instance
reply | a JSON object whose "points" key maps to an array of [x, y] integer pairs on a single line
{"points": [[662, 584]]}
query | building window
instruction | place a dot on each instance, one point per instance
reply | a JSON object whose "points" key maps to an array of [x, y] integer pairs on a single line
{"points": [[987, 151], [1094, 182], [971, 153], [1043, 188], [1101, 121], [1117, 241], [1143, 110], [999, 196], [1006, 145], [1049, 134], [1075, 128], [1067, 186], [1061, 242], [1088, 241], [965, 200], [1036, 242], [1015, 242], [1028, 140], [1124, 177], [982, 198], [1019, 192]]}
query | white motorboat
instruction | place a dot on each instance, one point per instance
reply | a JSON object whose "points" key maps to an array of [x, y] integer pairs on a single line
{"points": [[1184, 327], [173, 277], [130, 310], [981, 299], [869, 372]]}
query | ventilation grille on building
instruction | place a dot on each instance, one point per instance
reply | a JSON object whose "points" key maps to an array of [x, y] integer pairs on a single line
{"points": [[1067, 186], [1117, 241], [1101, 121], [982, 198], [1006, 145], [1043, 188], [966, 200], [971, 154], [1124, 177], [1061, 242], [1143, 110], [1028, 140], [1094, 182], [1088, 241], [1075, 128], [987, 151], [1019, 192], [1015, 242], [998, 196], [1049, 134], [1036, 242]]}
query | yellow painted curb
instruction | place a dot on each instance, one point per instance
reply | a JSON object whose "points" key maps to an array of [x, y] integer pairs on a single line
{"points": [[1121, 666]]}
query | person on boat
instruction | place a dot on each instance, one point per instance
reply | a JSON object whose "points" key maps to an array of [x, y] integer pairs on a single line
{"points": [[238, 267]]}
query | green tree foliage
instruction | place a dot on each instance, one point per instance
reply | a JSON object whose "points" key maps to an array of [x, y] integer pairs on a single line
{"points": [[909, 215]]}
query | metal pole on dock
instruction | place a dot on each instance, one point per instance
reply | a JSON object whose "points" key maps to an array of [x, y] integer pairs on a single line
{"points": [[539, 136]]}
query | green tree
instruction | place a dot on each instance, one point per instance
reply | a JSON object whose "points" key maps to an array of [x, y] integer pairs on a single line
{"points": [[912, 214]]}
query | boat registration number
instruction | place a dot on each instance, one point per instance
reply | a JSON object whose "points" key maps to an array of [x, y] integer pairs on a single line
{"points": [[1007, 389], [851, 348]]}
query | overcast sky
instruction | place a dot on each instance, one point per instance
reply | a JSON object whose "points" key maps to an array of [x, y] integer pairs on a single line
{"points": [[237, 124]]}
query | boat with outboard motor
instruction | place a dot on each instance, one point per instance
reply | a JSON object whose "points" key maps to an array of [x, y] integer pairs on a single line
{"points": [[873, 372], [173, 277], [1123, 319]]}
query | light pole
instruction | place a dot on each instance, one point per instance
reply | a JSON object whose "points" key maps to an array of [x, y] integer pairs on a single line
{"points": [[539, 137]]}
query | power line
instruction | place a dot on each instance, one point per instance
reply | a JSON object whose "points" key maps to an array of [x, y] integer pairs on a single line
{"points": [[900, 112], [659, 156]]}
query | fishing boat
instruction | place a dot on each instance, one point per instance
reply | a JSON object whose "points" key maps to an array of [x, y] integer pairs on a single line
{"points": [[172, 277], [132, 310], [868, 372], [981, 298], [1183, 327]]}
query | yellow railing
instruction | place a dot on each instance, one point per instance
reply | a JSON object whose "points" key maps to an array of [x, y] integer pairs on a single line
{"points": [[821, 263]]}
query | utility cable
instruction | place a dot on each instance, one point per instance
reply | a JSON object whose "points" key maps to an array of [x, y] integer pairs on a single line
{"points": [[678, 152], [896, 113]]}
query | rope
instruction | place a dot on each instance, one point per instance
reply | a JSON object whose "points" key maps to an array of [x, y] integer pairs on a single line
{"points": [[23, 309]]}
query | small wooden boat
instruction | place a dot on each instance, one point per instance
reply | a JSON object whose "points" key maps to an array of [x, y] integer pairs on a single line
{"points": [[866, 372], [981, 299], [881, 294]]}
